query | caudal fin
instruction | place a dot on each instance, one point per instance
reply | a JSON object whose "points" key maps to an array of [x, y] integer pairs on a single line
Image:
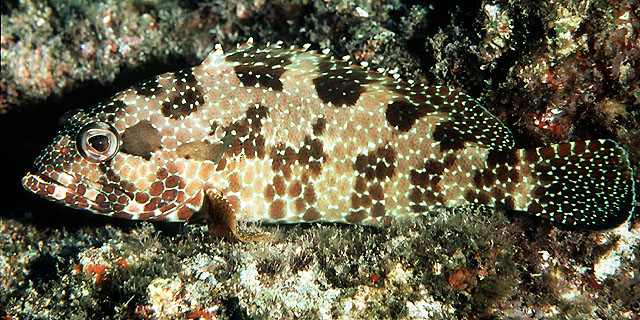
{"points": [[584, 184]]}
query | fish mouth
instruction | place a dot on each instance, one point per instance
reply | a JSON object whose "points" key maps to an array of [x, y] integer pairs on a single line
{"points": [[81, 196], [111, 199]]}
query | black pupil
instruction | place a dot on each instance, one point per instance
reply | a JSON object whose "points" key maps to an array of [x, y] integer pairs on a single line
{"points": [[100, 143]]}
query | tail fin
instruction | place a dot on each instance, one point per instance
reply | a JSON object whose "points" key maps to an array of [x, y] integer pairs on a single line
{"points": [[584, 184]]}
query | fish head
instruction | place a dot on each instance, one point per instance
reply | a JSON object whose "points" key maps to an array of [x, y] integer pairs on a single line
{"points": [[71, 170], [105, 163]]}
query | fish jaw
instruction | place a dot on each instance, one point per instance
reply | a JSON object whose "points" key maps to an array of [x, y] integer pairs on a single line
{"points": [[89, 195], [57, 191]]}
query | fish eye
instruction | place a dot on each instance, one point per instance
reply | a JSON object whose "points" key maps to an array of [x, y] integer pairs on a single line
{"points": [[98, 141]]}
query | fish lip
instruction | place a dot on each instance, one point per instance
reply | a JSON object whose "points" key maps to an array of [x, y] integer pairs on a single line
{"points": [[37, 183], [49, 180], [45, 180]]}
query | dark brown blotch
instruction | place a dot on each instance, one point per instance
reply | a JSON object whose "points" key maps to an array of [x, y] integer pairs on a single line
{"points": [[449, 161], [376, 192], [484, 197], [311, 150], [478, 180], [295, 189], [507, 157], [156, 188], [184, 213], [531, 156], [309, 194], [269, 193], [498, 193], [112, 175], [81, 189], [579, 147], [319, 126], [148, 89], [152, 204], [279, 185], [247, 130], [450, 136], [245, 54], [355, 201], [100, 198], [357, 216], [365, 201], [564, 149], [277, 209], [594, 145], [360, 185], [437, 100], [502, 173], [141, 197], [311, 214], [141, 140], [119, 213], [470, 196], [300, 205], [263, 68], [169, 195], [489, 178], [402, 114], [510, 202], [378, 210], [380, 163], [290, 156], [554, 188], [534, 208], [419, 178], [558, 162], [547, 152], [186, 99], [514, 175], [340, 84], [434, 167], [415, 195]]}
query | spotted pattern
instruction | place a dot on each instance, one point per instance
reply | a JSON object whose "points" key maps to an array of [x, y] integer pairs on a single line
{"points": [[284, 135], [183, 99], [148, 88], [340, 84], [110, 111], [247, 139], [563, 195], [403, 114], [462, 120], [260, 67]]}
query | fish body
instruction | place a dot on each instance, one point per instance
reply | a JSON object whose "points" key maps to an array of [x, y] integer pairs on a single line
{"points": [[284, 135]]}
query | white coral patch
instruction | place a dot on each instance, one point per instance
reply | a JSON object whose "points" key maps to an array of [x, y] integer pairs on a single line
{"points": [[609, 263]]}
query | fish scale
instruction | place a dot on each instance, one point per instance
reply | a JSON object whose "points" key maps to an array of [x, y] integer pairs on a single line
{"points": [[284, 135]]}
